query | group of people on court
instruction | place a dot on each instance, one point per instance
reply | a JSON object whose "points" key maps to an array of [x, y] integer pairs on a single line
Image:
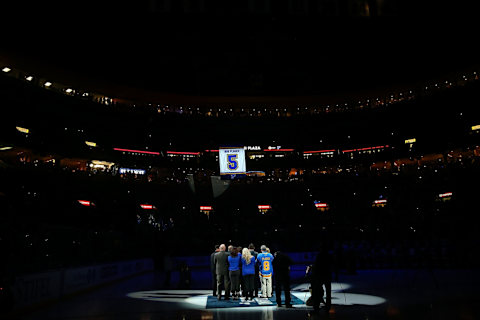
{"points": [[239, 271]]}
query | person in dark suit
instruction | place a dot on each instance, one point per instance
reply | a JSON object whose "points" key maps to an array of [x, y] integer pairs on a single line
{"points": [[212, 270], [256, 280], [321, 275], [221, 269], [281, 272]]}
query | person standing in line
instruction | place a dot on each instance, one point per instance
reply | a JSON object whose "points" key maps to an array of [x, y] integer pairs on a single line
{"points": [[234, 272], [281, 268], [321, 276], [256, 280], [221, 269], [248, 272], [241, 282], [212, 270], [265, 260]]}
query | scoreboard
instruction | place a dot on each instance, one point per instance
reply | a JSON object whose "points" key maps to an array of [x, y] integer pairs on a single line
{"points": [[232, 161]]}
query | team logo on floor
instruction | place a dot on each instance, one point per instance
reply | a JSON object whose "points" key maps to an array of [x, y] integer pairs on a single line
{"points": [[203, 299]]}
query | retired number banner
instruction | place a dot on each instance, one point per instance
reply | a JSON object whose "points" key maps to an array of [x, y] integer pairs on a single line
{"points": [[232, 161]]}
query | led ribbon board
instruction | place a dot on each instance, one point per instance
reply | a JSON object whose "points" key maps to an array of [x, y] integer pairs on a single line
{"points": [[232, 161]]}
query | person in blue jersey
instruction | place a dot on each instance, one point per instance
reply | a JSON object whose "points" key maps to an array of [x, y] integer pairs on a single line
{"points": [[248, 272], [265, 259], [234, 272]]}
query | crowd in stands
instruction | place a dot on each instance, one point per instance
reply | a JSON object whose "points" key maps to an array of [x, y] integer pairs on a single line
{"points": [[43, 225]]}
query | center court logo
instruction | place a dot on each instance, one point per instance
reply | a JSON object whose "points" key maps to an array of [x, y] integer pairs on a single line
{"points": [[199, 299]]}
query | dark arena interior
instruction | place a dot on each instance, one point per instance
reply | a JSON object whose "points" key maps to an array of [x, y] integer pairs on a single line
{"points": [[357, 123]]}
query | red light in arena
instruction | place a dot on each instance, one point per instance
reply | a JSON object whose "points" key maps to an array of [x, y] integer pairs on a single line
{"points": [[211, 150], [321, 205], [380, 203], [446, 194], [86, 203], [319, 151], [183, 153], [137, 151], [147, 206], [206, 210], [278, 150], [365, 149], [264, 207]]}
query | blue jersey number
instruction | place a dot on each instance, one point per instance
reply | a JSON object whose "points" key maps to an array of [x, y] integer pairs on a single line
{"points": [[232, 161]]}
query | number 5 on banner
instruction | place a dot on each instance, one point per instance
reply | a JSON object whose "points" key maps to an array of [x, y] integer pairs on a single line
{"points": [[232, 161]]}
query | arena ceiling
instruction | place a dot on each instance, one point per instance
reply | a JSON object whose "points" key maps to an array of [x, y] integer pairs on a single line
{"points": [[149, 55]]}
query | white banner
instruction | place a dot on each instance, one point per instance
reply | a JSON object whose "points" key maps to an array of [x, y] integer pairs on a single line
{"points": [[232, 160]]}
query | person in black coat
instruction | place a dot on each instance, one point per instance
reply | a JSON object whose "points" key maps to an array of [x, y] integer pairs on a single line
{"points": [[321, 275], [281, 273], [212, 270], [221, 269]]}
